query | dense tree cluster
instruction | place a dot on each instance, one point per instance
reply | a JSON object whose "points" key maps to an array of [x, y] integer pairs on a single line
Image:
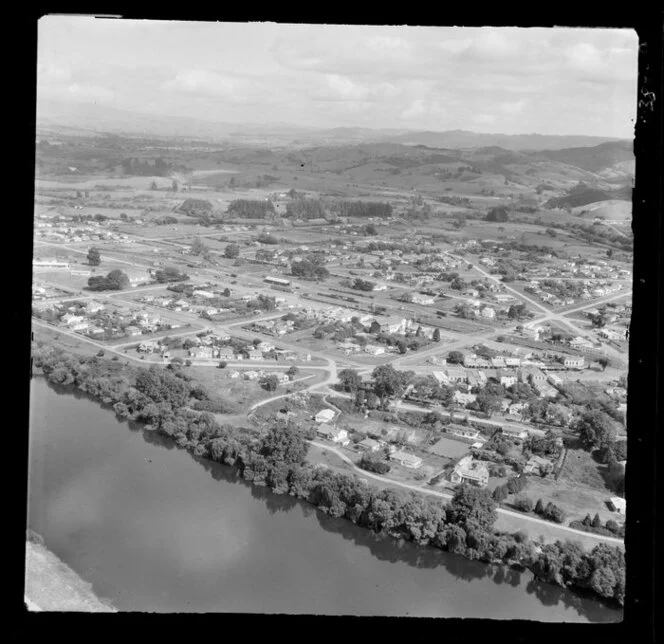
{"points": [[374, 463], [596, 429], [499, 214], [250, 208], [309, 269], [363, 209], [116, 280], [194, 207], [277, 459], [170, 274], [148, 167], [362, 285], [303, 208]]}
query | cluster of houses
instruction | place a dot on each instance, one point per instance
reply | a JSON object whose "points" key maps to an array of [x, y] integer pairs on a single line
{"points": [[96, 320], [252, 375], [63, 228]]}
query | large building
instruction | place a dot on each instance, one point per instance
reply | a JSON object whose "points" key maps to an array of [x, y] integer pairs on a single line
{"points": [[470, 471]]}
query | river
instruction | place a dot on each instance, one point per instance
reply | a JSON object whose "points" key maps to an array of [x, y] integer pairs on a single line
{"points": [[153, 529]]}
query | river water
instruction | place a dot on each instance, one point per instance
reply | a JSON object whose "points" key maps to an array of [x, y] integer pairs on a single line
{"points": [[154, 529]]}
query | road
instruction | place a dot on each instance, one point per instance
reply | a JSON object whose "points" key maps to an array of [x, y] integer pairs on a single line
{"points": [[448, 496]]}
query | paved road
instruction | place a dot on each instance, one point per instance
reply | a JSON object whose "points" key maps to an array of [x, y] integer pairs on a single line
{"points": [[448, 496]]}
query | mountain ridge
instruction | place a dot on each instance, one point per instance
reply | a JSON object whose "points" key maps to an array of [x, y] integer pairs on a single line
{"points": [[101, 119]]}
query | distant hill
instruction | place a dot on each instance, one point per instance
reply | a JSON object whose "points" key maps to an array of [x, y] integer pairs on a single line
{"points": [[582, 195], [465, 139], [89, 117], [593, 159]]}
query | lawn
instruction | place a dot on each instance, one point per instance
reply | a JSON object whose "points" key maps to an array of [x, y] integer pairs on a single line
{"points": [[450, 448]]}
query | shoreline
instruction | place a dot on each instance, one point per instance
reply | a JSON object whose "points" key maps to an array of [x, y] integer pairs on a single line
{"points": [[52, 586], [513, 563]]}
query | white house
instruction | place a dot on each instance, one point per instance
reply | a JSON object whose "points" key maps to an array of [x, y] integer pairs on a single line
{"points": [[470, 471], [574, 362], [368, 445], [333, 434], [617, 504], [405, 459]]}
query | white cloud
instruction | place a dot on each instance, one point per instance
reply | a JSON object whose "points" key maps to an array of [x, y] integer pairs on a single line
{"points": [[202, 82], [514, 107]]}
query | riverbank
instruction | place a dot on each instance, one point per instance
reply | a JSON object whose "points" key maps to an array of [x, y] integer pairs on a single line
{"points": [[51, 585], [281, 469]]}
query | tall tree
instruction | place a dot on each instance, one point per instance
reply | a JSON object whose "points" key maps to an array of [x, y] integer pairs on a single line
{"points": [[350, 380], [231, 251], [94, 257], [596, 429]]}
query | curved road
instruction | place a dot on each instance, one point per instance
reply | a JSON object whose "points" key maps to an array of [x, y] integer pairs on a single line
{"points": [[446, 495]]}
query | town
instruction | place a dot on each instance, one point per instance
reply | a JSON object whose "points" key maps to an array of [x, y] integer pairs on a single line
{"points": [[424, 339]]}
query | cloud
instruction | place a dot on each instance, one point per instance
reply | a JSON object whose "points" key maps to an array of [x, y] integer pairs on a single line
{"points": [[342, 88], [202, 82], [514, 107]]}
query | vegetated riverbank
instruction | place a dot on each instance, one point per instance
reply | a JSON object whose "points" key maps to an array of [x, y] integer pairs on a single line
{"points": [[51, 585], [276, 458]]}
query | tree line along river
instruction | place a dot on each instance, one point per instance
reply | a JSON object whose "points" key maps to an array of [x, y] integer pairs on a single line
{"points": [[154, 529]]}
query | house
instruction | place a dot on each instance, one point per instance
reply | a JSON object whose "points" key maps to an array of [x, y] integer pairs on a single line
{"points": [[581, 343], [149, 346], [617, 504], [464, 432], [546, 391], [455, 374], [538, 465], [515, 433], [202, 352], [532, 374], [506, 379], [374, 349], [418, 298], [405, 459], [324, 416], [333, 434], [498, 362], [488, 312], [517, 408], [470, 471], [464, 398], [255, 354], [94, 307], [137, 277], [574, 362], [226, 353], [533, 333], [132, 330], [368, 445], [513, 362]]}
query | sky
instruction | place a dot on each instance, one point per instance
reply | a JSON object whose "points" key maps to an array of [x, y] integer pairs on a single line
{"points": [[501, 80]]}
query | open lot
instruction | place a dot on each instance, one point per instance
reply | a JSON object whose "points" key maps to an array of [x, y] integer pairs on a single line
{"points": [[449, 447]]}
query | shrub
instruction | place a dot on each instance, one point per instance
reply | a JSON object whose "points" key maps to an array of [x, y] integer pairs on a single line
{"points": [[553, 513], [524, 503]]}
